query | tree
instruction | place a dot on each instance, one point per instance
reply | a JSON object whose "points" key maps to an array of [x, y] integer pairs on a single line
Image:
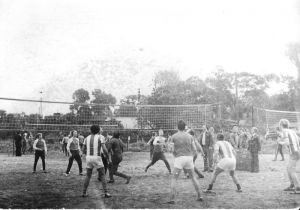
{"points": [[293, 52], [80, 97], [101, 101], [81, 105]]}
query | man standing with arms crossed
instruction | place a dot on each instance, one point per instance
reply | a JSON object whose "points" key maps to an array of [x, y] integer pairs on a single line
{"points": [[91, 148], [206, 141], [290, 138], [184, 150]]}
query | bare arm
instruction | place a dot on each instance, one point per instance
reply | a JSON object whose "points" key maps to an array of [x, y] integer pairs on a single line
{"points": [[34, 145], [45, 146]]}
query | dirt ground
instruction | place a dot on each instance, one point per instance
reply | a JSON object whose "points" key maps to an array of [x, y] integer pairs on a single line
{"points": [[19, 188]]}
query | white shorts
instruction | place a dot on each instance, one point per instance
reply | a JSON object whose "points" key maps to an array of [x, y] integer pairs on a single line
{"points": [[94, 162], [184, 162], [227, 164]]}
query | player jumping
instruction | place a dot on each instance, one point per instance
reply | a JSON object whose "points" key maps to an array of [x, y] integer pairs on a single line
{"points": [[227, 162]]}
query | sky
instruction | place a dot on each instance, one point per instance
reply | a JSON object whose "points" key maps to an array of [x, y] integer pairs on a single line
{"points": [[42, 41]]}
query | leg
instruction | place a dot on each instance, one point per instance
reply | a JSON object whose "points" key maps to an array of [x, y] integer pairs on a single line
{"points": [[89, 172], [210, 160], [256, 162], [292, 172], [163, 158], [205, 159], [276, 152], [36, 158], [200, 175], [79, 162], [252, 161], [235, 181], [43, 160], [101, 175], [71, 159], [155, 158], [173, 184], [195, 183], [281, 152], [213, 180], [105, 163]]}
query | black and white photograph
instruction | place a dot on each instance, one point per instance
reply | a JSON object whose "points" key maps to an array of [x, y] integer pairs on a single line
{"points": [[139, 104]]}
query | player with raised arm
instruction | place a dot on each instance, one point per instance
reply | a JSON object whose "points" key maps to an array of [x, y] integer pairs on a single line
{"points": [[73, 148], [40, 149], [158, 151], [290, 138], [91, 148], [224, 151], [184, 150]]}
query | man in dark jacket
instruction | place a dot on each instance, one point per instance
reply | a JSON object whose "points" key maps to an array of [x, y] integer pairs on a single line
{"points": [[254, 147], [206, 141], [18, 143], [115, 149]]}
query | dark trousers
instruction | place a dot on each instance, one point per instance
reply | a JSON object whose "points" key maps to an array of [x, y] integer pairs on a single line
{"points": [[75, 155], [65, 149], [105, 163], [37, 155], [151, 152], [254, 162], [159, 156], [208, 160], [113, 169], [19, 150], [24, 147]]}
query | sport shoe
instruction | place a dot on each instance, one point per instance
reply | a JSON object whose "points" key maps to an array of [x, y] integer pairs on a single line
{"points": [[111, 181], [107, 195], [66, 174], [34, 172], [289, 189], [239, 190], [81, 174], [44, 171], [128, 180], [201, 176], [84, 195], [200, 199], [171, 202], [297, 189]]}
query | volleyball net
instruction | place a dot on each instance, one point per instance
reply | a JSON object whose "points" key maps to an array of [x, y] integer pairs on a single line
{"points": [[44, 116], [269, 119]]}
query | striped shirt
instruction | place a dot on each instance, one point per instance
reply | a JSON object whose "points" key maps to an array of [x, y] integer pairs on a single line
{"points": [[93, 144], [290, 138], [224, 149]]}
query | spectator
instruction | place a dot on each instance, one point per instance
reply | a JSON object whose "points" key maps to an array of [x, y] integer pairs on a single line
{"points": [[254, 147]]}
